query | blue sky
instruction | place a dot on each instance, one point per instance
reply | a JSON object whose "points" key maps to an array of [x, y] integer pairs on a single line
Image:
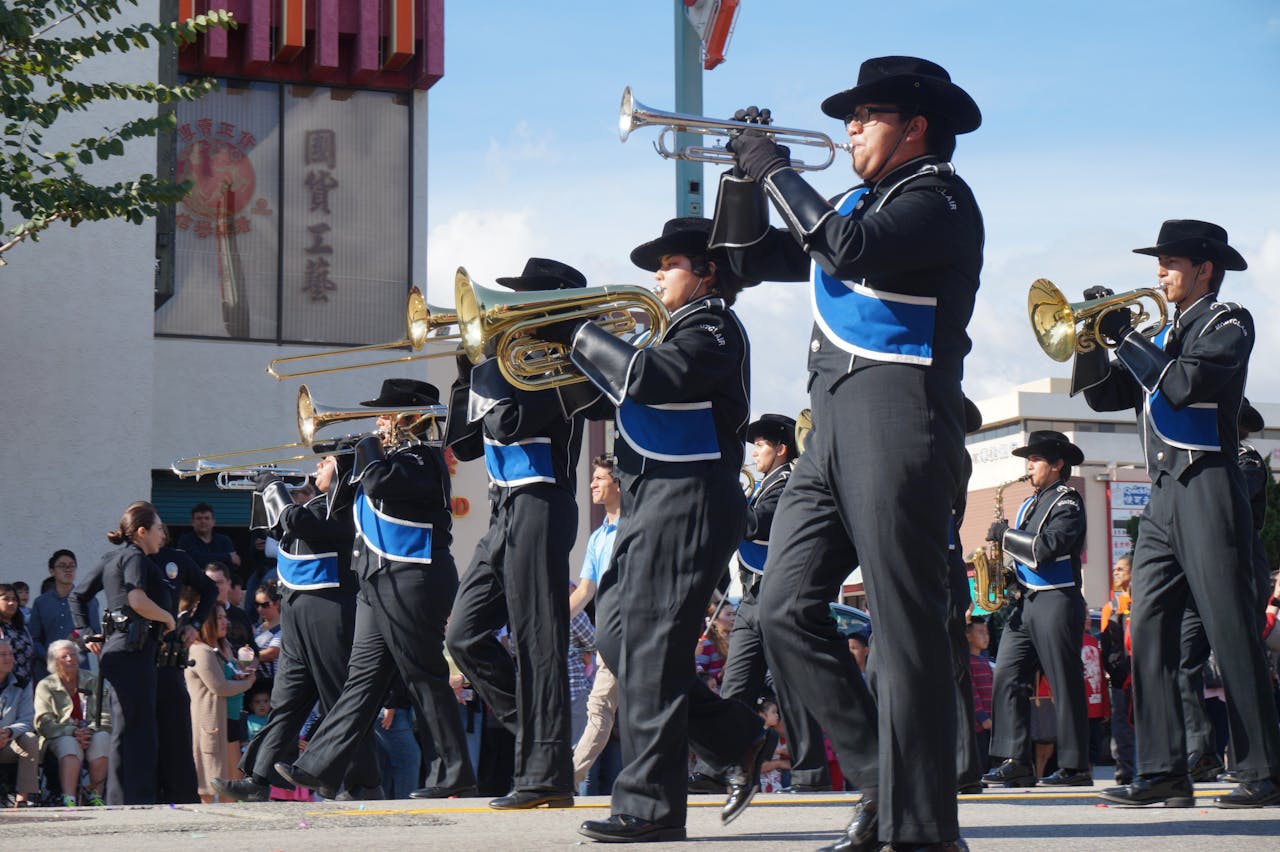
{"points": [[1100, 120]]}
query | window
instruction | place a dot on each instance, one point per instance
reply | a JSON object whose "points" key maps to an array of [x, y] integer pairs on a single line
{"points": [[298, 226]]}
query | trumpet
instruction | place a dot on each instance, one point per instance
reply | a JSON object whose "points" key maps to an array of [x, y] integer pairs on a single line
{"points": [[634, 115], [423, 322], [505, 325], [1064, 328]]}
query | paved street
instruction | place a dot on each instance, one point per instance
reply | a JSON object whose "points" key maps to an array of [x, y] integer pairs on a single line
{"points": [[1005, 822]]}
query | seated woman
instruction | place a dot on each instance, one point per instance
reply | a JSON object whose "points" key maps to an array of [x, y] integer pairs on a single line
{"points": [[67, 721], [210, 687]]}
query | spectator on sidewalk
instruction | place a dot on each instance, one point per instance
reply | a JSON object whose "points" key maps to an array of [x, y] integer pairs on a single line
{"points": [[51, 612], [70, 723], [17, 725], [980, 674]]}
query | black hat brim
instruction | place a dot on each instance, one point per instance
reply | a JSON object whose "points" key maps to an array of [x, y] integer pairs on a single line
{"points": [[1214, 250], [528, 283], [1069, 453], [772, 430], [648, 256], [1251, 419], [932, 95]]}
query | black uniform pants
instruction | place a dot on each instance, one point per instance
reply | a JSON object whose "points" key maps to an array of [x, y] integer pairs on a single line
{"points": [[875, 488], [679, 524], [1044, 632], [519, 577], [176, 779], [1194, 651], [400, 620], [744, 679], [969, 760], [1196, 546], [320, 626], [132, 768]]}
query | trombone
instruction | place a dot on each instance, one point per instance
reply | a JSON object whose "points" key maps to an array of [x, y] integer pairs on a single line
{"points": [[312, 417], [1064, 328], [506, 325], [422, 323], [634, 115]]}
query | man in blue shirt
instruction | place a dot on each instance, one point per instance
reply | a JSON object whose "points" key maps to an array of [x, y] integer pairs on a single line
{"points": [[51, 612]]}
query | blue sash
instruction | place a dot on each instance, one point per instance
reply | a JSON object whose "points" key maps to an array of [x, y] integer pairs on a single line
{"points": [[1053, 575], [752, 555], [521, 463], [1194, 427], [675, 431], [872, 323], [393, 538], [307, 570]]}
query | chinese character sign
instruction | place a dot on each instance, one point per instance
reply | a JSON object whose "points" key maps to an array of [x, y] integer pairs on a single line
{"points": [[1126, 499]]}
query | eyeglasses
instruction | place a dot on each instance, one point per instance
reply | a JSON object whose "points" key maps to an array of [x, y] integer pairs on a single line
{"points": [[864, 115]]}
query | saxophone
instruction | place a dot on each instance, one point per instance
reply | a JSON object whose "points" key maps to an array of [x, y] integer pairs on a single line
{"points": [[988, 561]]}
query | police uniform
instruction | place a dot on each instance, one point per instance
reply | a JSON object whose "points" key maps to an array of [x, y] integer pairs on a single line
{"points": [[318, 614], [520, 570], [1045, 627], [681, 410], [894, 268], [1195, 546], [402, 514]]}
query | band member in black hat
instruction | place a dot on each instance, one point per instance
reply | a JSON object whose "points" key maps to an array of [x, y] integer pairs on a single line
{"points": [[517, 577], [681, 408], [1196, 544], [319, 617], [403, 521], [1048, 618], [894, 266]]}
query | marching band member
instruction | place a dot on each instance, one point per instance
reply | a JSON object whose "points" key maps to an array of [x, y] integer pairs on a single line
{"points": [[1196, 541], [319, 617], [407, 578], [894, 266], [1047, 620], [520, 569], [681, 412]]}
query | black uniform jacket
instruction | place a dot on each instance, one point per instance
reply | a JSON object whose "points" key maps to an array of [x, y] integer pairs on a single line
{"points": [[1207, 353], [315, 527], [912, 234], [1049, 538], [764, 503], [1255, 482], [410, 484]]}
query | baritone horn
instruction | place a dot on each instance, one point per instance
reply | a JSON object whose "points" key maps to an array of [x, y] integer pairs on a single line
{"points": [[804, 428], [747, 478], [506, 325], [1064, 328], [633, 115], [990, 591], [422, 323]]}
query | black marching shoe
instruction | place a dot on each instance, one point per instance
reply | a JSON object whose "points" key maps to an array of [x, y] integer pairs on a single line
{"points": [[957, 845], [970, 789], [361, 794], [1172, 791], [744, 782], [1251, 794], [1204, 767], [301, 778], [623, 828], [862, 833], [1229, 777], [465, 792], [242, 790], [700, 782], [523, 800], [1011, 773], [1068, 778]]}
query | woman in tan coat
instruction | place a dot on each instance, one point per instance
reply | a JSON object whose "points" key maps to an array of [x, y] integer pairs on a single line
{"points": [[211, 679]]}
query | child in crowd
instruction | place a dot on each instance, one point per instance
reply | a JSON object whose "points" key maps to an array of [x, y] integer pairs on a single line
{"points": [[776, 771], [259, 709]]}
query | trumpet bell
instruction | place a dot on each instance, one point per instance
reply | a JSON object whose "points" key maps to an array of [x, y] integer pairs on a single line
{"points": [[1052, 320], [1064, 328]]}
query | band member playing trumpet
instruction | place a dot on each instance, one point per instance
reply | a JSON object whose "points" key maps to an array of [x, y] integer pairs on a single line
{"points": [[894, 266], [403, 519], [681, 409], [520, 569], [1196, 543], [1044, 629]]}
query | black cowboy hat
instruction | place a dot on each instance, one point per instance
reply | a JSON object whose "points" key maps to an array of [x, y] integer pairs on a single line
{"points": [[687, 235], [908, 81], [778, 428], [1250, 418], [1195, 239], [972, 417], [402, 393], [541, 273], [1052, 445]]}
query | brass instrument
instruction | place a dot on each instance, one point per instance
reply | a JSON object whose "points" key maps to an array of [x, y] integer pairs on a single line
{"points": [[988, 561], [423, 322], [634, 115], [312, 417], [748, 479], [804, 427], [1064, 328], [505, 325], [245, 478]]}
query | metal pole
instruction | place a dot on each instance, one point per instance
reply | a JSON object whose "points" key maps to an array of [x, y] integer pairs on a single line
{"points": [[688, 53]]}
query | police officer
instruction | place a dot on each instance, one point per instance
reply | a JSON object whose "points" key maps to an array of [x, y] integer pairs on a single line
{"points": [[1044, 628], [517, 577], [681, 409], [1196, 544], [407, 577], [318, 615], [134, 621], [894, 266]]}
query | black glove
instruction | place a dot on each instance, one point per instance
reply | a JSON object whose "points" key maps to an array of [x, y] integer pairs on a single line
{"points": [[750, 115], [1098, 293], [997, 530], [560, 332], [1116, 325], [262, 480]]}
